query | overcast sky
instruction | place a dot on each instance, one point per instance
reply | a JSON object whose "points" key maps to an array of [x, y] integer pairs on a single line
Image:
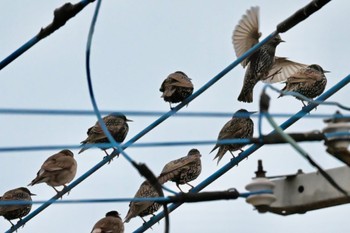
{"points": [[135, 46]]}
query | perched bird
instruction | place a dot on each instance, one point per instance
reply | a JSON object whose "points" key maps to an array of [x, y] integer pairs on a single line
{"points": [[10, 212], [183, 170], [235, 128], [176, 87], [116, 124], [309, 81], [59, 169], [143, 208], [112, 223], [262, 64]]}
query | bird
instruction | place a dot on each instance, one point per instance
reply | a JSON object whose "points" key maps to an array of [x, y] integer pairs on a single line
{"points": [[236, 128], [309, 81], [262, 64], [10, 212], [176, 87], [59, 169], [112, 223], [183, 170], [143, 208], [116, 124]]}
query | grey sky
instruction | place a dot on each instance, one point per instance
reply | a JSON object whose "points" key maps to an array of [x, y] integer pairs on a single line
{"points": [[135, 46]]}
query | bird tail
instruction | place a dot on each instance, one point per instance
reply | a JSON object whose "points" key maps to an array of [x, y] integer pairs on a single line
{"points": [[246, 94], [84, 147], [129, 216], [220, 154], [35, 181]]}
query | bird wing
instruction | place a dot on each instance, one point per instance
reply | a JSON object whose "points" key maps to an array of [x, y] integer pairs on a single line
{"points": [[181, 81], [57, 162], [173, 168], [178, 163], [246, 34], [95, 133], [282, 69], [305, 76], [227, 132]]}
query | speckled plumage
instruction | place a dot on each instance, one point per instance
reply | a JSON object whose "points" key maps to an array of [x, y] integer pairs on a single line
{"points": [[262, 64], [309, 81], [10, 212], [143, 208], [183, 170], [112, 223], [116, 124], [176, 87], [59, 169], [236, 128]]}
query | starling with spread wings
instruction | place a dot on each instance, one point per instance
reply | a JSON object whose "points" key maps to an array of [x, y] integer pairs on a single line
{"points": [[262, 64]]}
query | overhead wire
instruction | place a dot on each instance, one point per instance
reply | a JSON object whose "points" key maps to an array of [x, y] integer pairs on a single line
{"points": [[236, 160]]}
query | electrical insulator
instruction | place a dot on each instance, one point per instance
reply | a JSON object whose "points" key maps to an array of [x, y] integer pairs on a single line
{"points": [[260, 183]]}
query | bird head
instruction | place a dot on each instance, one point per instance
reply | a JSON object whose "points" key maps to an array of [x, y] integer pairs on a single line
{"points": [[23, 189], [67, 152], [194, 152], [318, 68], [113, 213], [242, 113], [276, 40], [119, 115]]}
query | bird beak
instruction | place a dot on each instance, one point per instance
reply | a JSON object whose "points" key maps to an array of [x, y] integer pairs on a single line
{"points": [[252, 112], [282, 41], [32, 194], [326, 71], [129, 120]]}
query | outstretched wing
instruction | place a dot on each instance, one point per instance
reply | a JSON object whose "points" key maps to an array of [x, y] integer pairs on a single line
{"points": [[246, 33], [282, 69]]}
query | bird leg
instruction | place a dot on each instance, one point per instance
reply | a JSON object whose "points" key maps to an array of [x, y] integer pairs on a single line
{"points": [[190, 186], [20, 219], [232, 154], [11, 223], [58, 192], [110, 160], [64, 186], [177, 185]]}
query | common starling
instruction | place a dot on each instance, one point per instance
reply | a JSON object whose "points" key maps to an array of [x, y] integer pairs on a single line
{"points": [[176, 87], [262, 64], [10, 212], [183, 170], [143, 208], [112, 223], [116, 124], [309, 81], [235, 128], [59, 169]]}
